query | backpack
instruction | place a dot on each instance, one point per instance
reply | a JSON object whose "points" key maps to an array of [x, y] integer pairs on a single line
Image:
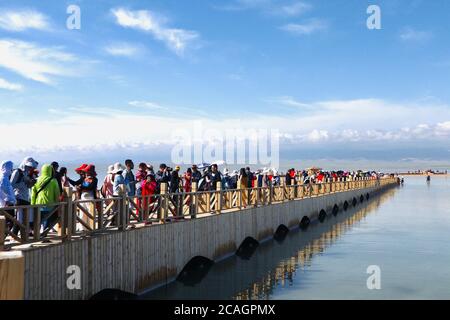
{"points": [[21, 175]]}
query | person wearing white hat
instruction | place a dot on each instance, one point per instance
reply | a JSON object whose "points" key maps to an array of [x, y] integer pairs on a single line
{"points": [[118, 179], [22, 180], [107, 189]]}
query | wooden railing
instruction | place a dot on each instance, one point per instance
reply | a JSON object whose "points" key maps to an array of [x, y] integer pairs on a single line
{"points": [[77, 218]]}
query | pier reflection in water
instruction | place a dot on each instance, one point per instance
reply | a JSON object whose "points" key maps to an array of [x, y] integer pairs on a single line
{"points": [[274, 264]]}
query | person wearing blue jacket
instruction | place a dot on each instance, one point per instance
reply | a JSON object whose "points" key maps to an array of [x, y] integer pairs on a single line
{"points": [[7, 197]]}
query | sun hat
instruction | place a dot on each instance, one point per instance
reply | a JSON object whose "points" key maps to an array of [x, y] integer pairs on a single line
{"points": [[81, 168], [118, 168], [29, 162], [110, 169], [90, 169]]}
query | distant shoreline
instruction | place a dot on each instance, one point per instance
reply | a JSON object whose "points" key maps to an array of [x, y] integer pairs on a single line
{"points": [[425, 174]]}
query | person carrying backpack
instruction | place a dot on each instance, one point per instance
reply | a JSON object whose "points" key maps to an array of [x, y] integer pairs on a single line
{"points": [[22, 180], [46, 192]]}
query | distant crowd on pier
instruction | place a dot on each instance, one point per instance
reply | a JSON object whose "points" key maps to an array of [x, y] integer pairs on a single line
{"points": [[26, 185]]}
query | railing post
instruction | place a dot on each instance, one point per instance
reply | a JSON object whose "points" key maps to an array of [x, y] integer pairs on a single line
{"points": [[219, 196], [283, 188], [239, 190], [316, 189], [2, 232], [71, 220], [12, 274], [164, 203], [100, 217], [292, 190], [123, 208], [26, 221], [37, 223], [270, 193], [258, 196], [194, 200], [62, 231]]}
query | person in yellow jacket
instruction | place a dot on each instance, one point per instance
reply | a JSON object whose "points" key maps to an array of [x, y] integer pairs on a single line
{"points": [[46, 192]]}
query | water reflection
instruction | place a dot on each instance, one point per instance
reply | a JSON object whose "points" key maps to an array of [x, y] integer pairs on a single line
{"points": [[274, 264]]}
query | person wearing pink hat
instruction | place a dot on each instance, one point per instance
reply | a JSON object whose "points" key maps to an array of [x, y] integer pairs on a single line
{"points": [[81, 173]]}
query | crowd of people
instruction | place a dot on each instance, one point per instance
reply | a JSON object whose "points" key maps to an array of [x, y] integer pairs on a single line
{"points": [[26, 185]]}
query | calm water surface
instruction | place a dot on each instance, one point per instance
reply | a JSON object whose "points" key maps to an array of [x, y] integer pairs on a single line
{"points": [[406, 232]]}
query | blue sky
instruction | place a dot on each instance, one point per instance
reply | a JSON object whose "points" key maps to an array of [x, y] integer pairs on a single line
{"points": [[139, 69]]}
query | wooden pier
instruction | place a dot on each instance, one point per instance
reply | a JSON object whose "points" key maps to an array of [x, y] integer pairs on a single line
{"points": [[136, 243]]}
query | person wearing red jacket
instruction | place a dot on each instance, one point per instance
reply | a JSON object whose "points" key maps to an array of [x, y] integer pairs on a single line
{"points": [[148, 192]]}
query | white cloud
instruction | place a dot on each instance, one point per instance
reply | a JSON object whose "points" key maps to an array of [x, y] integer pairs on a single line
{"points": [[294, 9], [317, 136], [310, 27], [147, 105], [409, 34], [34, 62], [22, 20], [4, 84], [364, 121], [175, 39], [271, 7], [122, 49], [289, 101], [239, 5]]}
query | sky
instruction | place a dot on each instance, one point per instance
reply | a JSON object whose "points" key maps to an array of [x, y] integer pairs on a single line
{"points": [[136, 71]]}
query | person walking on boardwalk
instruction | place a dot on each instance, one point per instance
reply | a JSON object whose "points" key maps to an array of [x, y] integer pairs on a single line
{"points": [[187, 180], [196, 174], [130, 180], [140, 178], [215, 176], [46, 192], [64, 180], [82, 175], [7, 197], [175, 189], [118, 185], [148, 193], [88, 191], [249, 177], [22, 180], [118, 179], [57, 175], [226, 180], [107, 189], [243, 184]]}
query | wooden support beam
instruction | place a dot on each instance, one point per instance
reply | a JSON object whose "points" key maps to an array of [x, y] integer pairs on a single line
{"points": [[164, 208], [12, 273]]}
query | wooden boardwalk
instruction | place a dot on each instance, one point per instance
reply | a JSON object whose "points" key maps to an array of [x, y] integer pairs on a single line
{"points": [[126, 244]]}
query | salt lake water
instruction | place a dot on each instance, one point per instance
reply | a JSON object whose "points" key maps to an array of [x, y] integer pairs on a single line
{"points": [[405, 232]]}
